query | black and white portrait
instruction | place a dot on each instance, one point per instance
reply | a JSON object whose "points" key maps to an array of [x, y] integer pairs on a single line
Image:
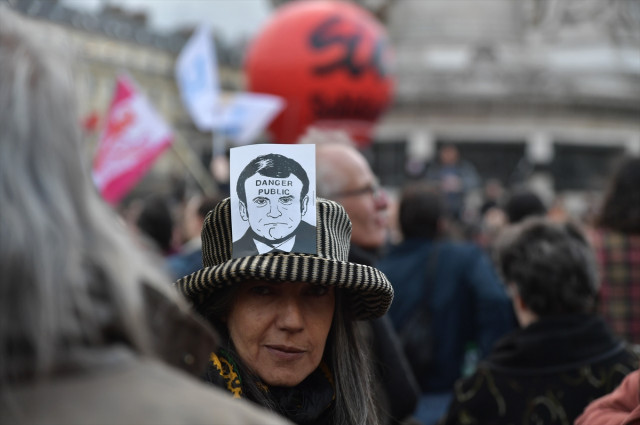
{"points": [[274, 208]]}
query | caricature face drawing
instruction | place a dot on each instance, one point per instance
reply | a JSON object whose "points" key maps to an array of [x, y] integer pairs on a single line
{"points": [[273, 196], [274, 207]]}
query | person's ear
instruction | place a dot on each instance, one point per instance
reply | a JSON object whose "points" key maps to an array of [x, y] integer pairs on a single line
{"points": [[305, 203], [243, 211]]}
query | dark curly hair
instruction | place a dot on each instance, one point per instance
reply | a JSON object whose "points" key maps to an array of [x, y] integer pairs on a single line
{"points": [[620, 210], [551, 264]]}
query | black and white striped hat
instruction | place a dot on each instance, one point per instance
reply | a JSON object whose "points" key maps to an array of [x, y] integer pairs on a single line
{"points": [[367, 288]]}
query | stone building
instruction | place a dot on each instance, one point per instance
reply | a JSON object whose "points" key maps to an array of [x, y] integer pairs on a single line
{"points": [[115, 41], [538, 92], [546, 91]]}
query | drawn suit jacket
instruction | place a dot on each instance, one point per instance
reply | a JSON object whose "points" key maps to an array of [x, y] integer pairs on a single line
{"points": [[305, 241]]}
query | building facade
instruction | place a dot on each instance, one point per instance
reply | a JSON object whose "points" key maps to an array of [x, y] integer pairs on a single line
{"points": [[542, 91], [113, 42]]}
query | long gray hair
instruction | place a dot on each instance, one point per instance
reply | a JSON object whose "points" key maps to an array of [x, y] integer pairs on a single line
{"points": [[346, 353], [69, 272]]}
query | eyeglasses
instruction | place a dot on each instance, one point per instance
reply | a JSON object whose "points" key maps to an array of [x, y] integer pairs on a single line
{"points": [[372, 189]]}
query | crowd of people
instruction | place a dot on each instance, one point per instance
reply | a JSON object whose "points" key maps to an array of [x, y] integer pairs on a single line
{"points": [[144, 315]]}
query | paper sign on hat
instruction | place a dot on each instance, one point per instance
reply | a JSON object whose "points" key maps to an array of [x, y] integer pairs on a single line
{"points": [[273, 202]]}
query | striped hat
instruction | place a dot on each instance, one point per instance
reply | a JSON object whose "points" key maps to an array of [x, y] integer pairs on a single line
{"points": [[368, 290]]}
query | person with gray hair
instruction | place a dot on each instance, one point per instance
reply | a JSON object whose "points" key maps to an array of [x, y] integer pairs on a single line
{"points": [[344, 175], [564, 355], [89, 327]]}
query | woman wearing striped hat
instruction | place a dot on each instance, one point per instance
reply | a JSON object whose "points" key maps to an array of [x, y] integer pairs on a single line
{"points": [[287, 321]]}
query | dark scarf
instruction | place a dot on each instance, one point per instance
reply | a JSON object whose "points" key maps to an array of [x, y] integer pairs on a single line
{"points": [[309, 402]]}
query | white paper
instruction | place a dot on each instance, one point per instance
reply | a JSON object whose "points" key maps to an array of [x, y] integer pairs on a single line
{"points": [[274, 212]]}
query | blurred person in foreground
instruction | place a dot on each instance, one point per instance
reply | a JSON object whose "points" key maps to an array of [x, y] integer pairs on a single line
{"points": [[564, 355], [344, 175], [616, 240], [620, 407], [90, 330], [466, 301], [288, 321]]}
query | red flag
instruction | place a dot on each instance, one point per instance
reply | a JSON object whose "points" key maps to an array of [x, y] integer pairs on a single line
{"points": [[133, 138]]}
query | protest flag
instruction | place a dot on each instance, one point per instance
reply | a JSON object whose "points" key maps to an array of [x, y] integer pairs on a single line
{"points": [[133, 138], [196, 74], [247, 114]]}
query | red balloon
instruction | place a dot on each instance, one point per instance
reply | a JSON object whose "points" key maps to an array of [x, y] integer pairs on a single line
{"points": [[330, 61]]}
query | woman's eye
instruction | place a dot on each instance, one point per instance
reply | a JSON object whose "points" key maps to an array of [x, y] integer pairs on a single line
{"points": [[261, 290], [318, 291]]}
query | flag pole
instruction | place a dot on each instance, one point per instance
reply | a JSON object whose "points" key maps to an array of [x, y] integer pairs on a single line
{"points": [[218, 145], [219, 165], [194, 167]]}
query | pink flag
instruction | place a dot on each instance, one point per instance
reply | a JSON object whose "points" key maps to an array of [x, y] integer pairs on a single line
{"points": [[133, 137]]}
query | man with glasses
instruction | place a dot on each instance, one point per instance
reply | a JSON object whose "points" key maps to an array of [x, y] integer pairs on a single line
{"points": [[343, 175]]}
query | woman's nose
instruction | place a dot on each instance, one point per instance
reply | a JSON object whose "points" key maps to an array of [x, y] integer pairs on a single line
{"points": [[290, 316]]}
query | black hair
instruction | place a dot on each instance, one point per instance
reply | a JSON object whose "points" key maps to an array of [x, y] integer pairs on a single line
{"points": [[621, 207], [156, 221], [421, 207], [523, 204], [552, 265]]}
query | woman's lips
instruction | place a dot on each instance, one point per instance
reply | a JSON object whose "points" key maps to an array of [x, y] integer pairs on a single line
{"points": [[283, 352]]}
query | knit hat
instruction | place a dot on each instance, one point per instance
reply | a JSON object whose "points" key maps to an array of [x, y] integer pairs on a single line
{"points": [[368, 290]]}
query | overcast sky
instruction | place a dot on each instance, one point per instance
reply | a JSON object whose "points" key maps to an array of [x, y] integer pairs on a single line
{"points": [[232, 18]]}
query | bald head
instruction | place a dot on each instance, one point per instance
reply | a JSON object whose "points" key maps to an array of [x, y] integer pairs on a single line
{"points": [[343, 175]]}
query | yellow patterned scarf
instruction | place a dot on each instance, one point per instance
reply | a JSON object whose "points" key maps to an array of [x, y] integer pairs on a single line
{"points": [[308, 400], [228, 371]]}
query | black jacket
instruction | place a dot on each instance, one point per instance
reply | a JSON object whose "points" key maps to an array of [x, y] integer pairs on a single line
{"points": [[398, 387], [545, 373]]}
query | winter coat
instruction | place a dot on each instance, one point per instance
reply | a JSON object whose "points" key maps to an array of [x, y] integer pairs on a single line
{"points": [[545, 373], [467, 301]]}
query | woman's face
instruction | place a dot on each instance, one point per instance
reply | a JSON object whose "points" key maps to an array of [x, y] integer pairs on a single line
{"points": [[280, 329]]}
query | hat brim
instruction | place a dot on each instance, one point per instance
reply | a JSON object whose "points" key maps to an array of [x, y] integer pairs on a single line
{"points": [[370, 293]]}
